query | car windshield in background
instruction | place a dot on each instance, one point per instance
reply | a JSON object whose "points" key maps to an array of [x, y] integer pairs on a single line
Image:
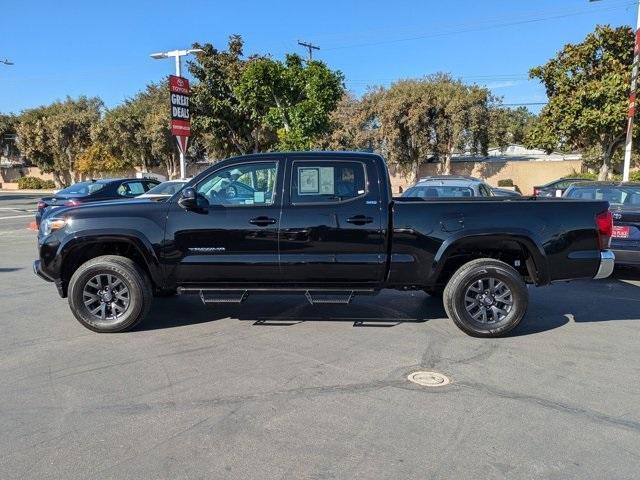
{"points": [[438, 191], [167, 188], [81, 188], [621, 195]]}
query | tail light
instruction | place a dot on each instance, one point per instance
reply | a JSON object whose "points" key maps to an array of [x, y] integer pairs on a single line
{"points": [[71, 203], [604, 222], [42, 205]]}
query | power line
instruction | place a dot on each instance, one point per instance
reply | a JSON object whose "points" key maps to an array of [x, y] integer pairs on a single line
{"points": [[485, 27]]}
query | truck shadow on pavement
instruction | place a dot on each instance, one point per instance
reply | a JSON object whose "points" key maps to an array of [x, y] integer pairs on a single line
{"points": [[549, 308], [384, 310]]}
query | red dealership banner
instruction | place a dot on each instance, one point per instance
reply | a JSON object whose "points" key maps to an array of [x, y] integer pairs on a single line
{"points": [[180, 116]]}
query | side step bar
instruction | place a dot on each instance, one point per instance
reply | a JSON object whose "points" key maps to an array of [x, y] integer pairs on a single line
{"points": [[223, 297], [239, 295]]}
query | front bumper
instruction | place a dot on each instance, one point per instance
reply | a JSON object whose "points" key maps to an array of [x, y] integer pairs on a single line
{"points": [[37, 269], [607, 262]]}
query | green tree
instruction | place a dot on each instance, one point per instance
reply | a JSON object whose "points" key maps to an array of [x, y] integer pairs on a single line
{"points": [[351, 126], [416, 120], [294, 97], [99, 159], [223, 126], [8, 125], [509, 125], [138, 131], [53, 136], [587, 85]]}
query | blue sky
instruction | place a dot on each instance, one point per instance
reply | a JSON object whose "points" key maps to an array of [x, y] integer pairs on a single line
{"points": [[102, 47]]}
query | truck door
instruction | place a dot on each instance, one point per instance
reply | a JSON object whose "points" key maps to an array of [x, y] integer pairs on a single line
{"points": [[234, 236], [332, 227]]}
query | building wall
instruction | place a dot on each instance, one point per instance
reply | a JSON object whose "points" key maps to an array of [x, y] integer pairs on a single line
{"points": [[525, 175]]}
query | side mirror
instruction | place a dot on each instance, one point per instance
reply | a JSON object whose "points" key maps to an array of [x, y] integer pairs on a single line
{"points": [[188, 198]]}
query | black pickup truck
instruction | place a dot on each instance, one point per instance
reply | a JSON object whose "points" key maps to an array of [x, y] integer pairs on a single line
{"points": [[323, 224]]}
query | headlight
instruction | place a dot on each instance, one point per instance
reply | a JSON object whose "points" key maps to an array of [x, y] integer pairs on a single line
{"points": [[52, 224]]}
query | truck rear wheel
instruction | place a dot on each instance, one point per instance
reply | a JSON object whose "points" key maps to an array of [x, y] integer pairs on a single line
{"points": [[486, 298], [110, 294]]}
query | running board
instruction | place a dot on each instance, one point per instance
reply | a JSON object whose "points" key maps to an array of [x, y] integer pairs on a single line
{"points": [[223, 297], [315, 297], [236, 296]]}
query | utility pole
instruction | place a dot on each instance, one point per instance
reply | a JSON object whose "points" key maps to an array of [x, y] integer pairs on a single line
{"points": [[628, 144], [310, 48]]}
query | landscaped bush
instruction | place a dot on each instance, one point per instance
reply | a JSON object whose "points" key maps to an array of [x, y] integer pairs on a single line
{"points": [[35, 183], [30, 183], [574, 174], [507, 182]]}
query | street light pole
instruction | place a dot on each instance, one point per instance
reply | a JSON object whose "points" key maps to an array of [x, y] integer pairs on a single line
{"points": [[178, 54], [628, 144], [632, 101]]}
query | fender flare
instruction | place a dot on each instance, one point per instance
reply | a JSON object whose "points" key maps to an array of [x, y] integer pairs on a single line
{"points": [[139, 241], [523, 237]]}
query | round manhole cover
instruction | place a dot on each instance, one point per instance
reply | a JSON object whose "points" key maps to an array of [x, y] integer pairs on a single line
{"points": [[429, 379]]}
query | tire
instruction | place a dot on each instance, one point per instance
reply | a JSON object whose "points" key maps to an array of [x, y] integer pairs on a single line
{"points": [[482, 314], [127, 288]]}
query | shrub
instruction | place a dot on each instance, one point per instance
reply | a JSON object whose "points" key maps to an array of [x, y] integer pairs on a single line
{"points": [[30, 183], [574, 174], [507, 182], [634, 176], [49, 184]]}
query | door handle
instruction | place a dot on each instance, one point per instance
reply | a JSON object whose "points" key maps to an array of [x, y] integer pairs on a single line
{"points": [[262, 221], [360, 220]]}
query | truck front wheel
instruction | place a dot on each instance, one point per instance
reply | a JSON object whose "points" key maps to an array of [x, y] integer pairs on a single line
{"points": [[486, 298], [110, 294]]}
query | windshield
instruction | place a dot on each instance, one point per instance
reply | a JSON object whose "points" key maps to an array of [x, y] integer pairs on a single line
{"points": [[438, 191], [615, 195], [166, 188], [82, 188]]}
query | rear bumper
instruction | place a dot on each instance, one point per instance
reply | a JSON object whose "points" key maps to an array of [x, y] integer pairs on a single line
{"points": [[627, 257], [607, 262]]}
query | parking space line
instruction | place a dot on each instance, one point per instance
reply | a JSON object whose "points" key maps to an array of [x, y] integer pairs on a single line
{"points": [[16, 216]]}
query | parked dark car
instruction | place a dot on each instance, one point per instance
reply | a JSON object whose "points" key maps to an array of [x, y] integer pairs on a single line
{"points": [[504, 192], [322, 224], [94, 191], [556, 188], [624, 201]]}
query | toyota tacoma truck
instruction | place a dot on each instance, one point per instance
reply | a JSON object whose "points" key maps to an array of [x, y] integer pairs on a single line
{"points": [[323, 224]]}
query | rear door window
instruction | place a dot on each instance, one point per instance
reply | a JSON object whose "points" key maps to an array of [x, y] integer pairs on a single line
{"points": [[327, 181], [131, 189]]}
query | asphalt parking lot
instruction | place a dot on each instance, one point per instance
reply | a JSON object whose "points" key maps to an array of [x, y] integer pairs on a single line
{"points": [[276, 388]]}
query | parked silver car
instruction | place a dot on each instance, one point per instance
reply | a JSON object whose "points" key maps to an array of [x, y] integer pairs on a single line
{"points": [[448, 186]]}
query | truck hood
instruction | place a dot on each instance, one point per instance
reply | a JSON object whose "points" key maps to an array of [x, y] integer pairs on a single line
{"points": [[117, 207]]}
